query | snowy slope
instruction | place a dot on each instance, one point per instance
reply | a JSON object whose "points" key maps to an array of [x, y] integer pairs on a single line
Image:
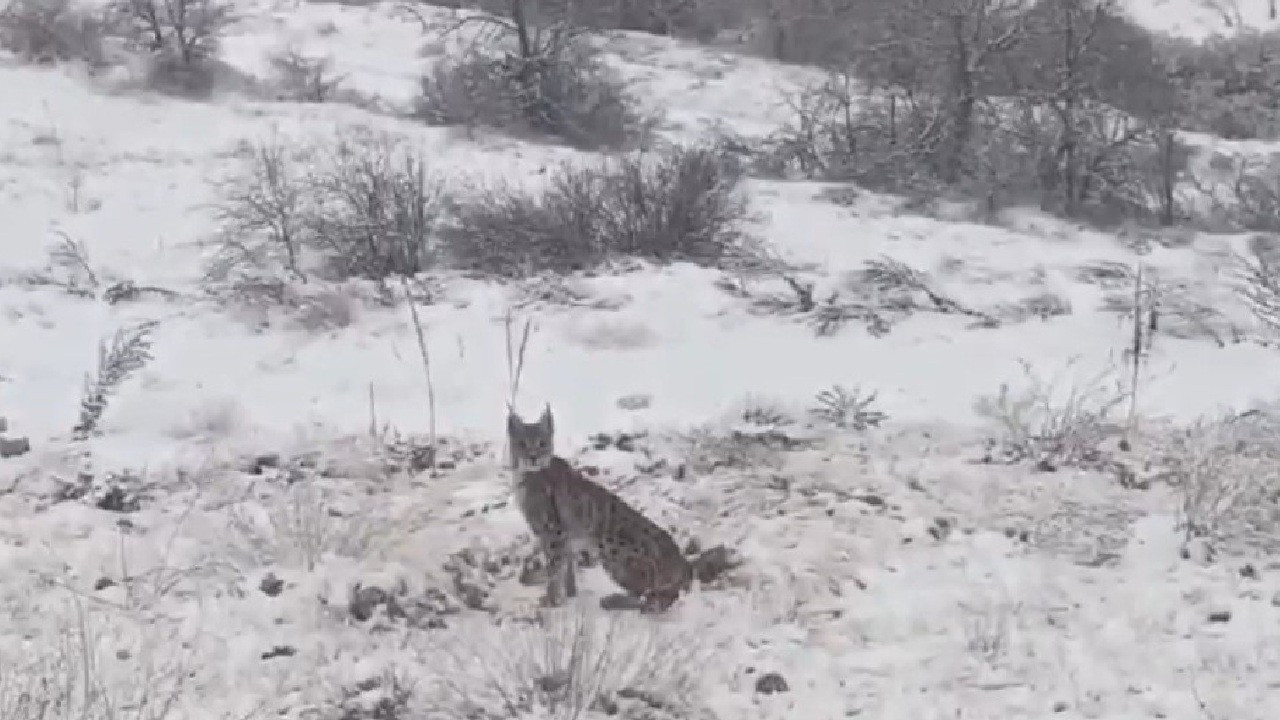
{"points": [[887, 574]]}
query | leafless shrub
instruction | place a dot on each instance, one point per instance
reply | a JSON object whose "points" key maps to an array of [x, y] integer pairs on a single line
{"points": [[392, 696], [1172, 308], [574, 663], [749, 444], [46, 31], [899, 141], [69, 267], [885, 276], [304, 78], [1259, 284], [558, 87], [189, 30], [827, 315], [301, 524], [847, 408], [1226, 471], [1042, 306], [182, 37], [263, 214], [368, 208], [1254, 195], [378, 212], [884, 292], [1107, 274], [684, 205], [1227, 83], [128, 352], [837, 134], [1055, 423], [65, 673], [1121, 167]]}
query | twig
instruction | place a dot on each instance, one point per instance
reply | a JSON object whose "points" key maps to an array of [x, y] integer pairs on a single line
{"points": [[1136, 349], [426, 368], [515, 357]]}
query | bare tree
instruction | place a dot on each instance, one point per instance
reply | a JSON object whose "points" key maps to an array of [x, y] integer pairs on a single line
{"points": [[188, 30]]}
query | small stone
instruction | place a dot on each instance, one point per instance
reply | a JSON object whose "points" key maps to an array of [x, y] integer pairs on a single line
{"points": [[262, 462], [365, 601], [13, 447], [1220, 616], [280, 651], [271, 585], [771, 683], [1249, 572], [103, 583]]}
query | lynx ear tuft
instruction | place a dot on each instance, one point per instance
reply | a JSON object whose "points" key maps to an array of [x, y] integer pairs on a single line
{"points": [[546, 420]]}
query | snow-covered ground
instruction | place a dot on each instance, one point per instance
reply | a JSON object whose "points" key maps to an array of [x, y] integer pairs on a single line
{"points": [[887, 574]]}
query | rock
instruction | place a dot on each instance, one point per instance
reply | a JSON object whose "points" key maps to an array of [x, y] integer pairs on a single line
{"points": [[280, 651], [271, 586], [714, 562], [771, 683], [871, 499], [13, 447], [1220, 616], [364, 601]]}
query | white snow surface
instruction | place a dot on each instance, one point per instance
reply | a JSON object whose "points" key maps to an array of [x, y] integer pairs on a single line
{"points": [[849, 589]]}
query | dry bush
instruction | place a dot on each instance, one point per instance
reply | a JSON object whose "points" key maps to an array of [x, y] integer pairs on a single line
{"points": [[364, 207], [1226, 472], [683, 205], [1259, 284], [837, 133], [182, 37], [263, 215], [1056, 422], [377, 210], [897, 142], [575, 664], [89, 665], [1252, 199], [303, 78], [701, 19], [847, 408], [566, 92], [1229, 85], [303, 523], [128, 352], [46, 31]]}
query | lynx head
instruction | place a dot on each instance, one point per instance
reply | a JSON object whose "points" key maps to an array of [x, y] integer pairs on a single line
{"points": [[531, 443]]}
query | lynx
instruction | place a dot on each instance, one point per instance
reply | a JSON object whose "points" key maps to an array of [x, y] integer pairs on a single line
{"points": [[568, 512]]}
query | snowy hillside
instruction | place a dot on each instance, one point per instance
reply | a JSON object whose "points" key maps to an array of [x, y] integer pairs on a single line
{"points": [[249, 529]]}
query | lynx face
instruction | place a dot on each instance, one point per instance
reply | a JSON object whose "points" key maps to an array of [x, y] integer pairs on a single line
{"points": [[531, 443]]}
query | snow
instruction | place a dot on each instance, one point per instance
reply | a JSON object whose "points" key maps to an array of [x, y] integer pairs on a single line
{"points": [[852, 590]]}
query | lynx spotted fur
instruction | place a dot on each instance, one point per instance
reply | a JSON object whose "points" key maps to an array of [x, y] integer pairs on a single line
{"points": [[566, 512]]}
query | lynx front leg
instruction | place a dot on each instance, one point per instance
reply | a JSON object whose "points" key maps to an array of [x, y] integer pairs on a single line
{"points": [[560, 572]]}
